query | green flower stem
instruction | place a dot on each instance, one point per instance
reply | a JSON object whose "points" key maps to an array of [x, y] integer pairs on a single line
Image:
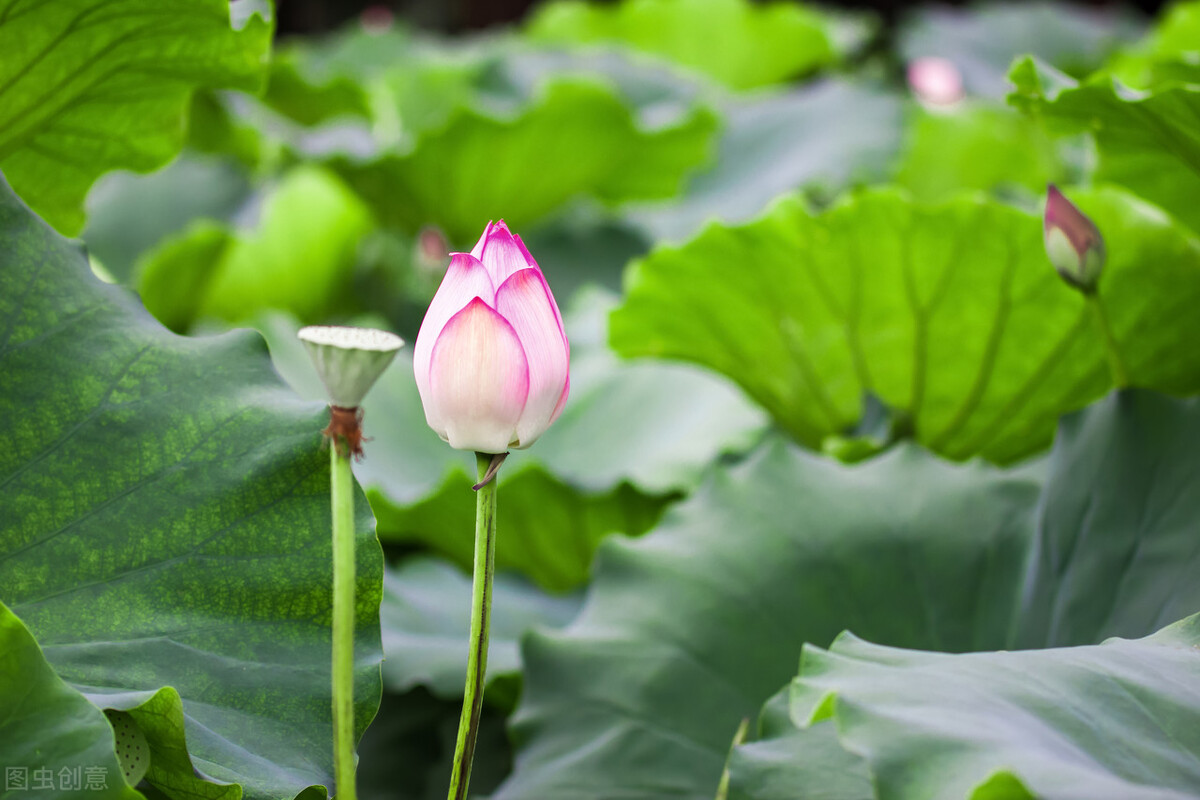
{"points": [[1116, 366], [481, 615], [342, 488]]}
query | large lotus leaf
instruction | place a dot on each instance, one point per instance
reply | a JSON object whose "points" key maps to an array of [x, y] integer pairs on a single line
{"points": [[1171, 51], [1120, 513], [426, 621], [949, 313], [1148, 140], [86, 88], [53, 742], [974, 146], [299, 257], [822, 136], [740, 44], [576, 138], [128, 214], [1113, 721], [1112, 553], [164, 523], [631, 435], [983, 40], [688, 630], [784, 762]]}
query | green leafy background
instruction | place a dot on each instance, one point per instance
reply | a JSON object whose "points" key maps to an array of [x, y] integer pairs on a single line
{"points": [[824, 380]]}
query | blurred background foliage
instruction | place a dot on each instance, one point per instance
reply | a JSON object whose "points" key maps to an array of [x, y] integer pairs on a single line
{"points": [[641, 148]]}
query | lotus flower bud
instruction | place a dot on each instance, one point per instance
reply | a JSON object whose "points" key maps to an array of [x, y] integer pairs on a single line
{"points": [[935, 81], [1073, 242], [492, 357]]}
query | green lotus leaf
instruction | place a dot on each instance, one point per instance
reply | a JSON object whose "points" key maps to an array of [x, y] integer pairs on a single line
{"points": [[86, 88], [950, 314], [740, 44], [576, 138], [975, 146], [688, 630], [51, 738], [1170, 51], [821, 137], [165, 528], [300, 257], [1147, 140], [1110, 721]]}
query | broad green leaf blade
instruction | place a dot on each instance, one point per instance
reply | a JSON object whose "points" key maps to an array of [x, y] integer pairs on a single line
{"points": [[821, 137], [983, 40], [1148, 141], [950, 314], [688, 630], [576, 138], [654, 424], [426, 621], [299, 257], [86, 88], [165, 520], [1170, 51], [53, 742], [129, 214], [975, 146], [738, 43], [1119, 512], [1107, 722], [770, 766]]}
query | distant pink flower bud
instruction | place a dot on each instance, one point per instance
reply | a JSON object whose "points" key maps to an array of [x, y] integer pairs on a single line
{"points": [[935, 81], [492, 357], [1073, 242], [376, 19]]}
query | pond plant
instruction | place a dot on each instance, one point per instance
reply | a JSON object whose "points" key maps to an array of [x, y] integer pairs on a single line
{"points": [[866, 436]]}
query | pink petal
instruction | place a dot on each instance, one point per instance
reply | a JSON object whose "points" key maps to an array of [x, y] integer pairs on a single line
{"points": [[527, 303], [478, 381], [465, 280], [524, 250], [477, 250], [501, 254]]}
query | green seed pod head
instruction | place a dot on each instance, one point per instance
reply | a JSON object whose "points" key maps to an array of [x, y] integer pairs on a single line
{"points": [[349, 360], [133, 752]]}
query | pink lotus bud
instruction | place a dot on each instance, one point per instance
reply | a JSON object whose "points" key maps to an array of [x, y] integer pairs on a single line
{"points": [[935, 81], [492, 357], [1073, 242]]}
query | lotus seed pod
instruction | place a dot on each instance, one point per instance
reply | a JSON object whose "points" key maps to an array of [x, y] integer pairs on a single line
{"points": [[349, 360], [133, 752]]}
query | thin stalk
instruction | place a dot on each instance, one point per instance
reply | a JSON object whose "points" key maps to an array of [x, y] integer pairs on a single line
{"points": [[1116, 366], [481, 615], [342, 496]]}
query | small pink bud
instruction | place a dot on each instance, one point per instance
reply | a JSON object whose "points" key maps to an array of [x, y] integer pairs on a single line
{"points": [[376, 19], [492, 358], [1073, 242], [935, 81]]}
